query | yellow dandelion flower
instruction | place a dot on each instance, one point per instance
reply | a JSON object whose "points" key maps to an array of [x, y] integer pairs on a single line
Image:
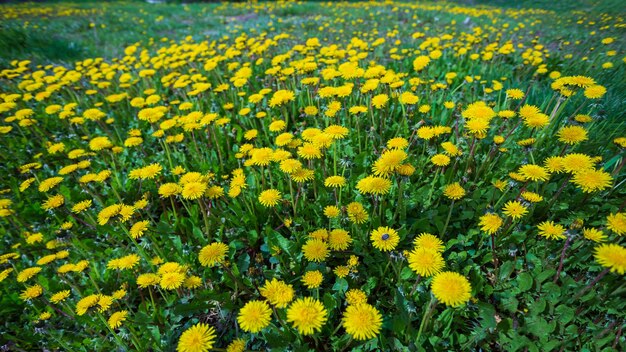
{"points": [[362, 321], [254, 316], [384, 238], [307, 315], [450, 288]]}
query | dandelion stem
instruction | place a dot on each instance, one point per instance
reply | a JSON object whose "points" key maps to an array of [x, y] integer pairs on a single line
{"points": [[417, 281], [425, 318], [443, 231], [565, 247], [590, 285]]}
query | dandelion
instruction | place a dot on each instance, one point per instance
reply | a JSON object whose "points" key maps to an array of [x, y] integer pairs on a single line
{"points": [[312, 279], [60, 296], [425, 262], [147, 280], [384, 238], [239, 345], [339, 240], [454, 191], [374, 185], [169, 189], [355, 296], [138, 229], [514, 209], [428, 241], [213, 254], [450, 288], [31, 292], [254, 316], [198, 338], [332, 211], [307, 315], [116, 319], [81, 206], [552, 231], [362, 321], [28, 273], [315, 250], [594, 235], [380, 100], [490, 223], [278, 293], [572, 134], [576, 162], [440, 160], [592, 180], [171, 281], [612, 256], [616, 223], [193, 190], [389, 162], [534, 172], [269, 198]]}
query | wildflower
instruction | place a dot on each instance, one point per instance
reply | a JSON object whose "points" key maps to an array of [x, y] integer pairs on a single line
{"points": [[532, 197], [315, 250], [374, 185], [147, 280], [576, 162], [213, 254], [138, 229], [534, 172], [198, 338], [514, 209], [193, 190], [312, 279], [83, 305], [169, 189], [278, 293], [116, 319], [425, 262], [355, 296], [362, 321], [515, 94], [307, 315], [450, 288], [31, 292], [490, 223], [254, 316], [428, 241], [53, 202], [552, 231], [612, 256], [49, 183], [380, 100], [572, 134], [28, 273], [591, 180], [81, 206], [238, 345], [384, 238], [594, 235], [269, 198], [454, 191], [389, 162], [335, 181], [332, 211], [172, 280], [594, 92], [339, 240], [60, 296], [617, 223]]}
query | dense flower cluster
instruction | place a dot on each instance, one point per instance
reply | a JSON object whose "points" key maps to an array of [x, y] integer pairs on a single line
{"points": [[267, 189]]}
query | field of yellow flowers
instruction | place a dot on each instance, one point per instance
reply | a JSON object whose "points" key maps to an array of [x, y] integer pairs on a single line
{"points": [[286, 176]]}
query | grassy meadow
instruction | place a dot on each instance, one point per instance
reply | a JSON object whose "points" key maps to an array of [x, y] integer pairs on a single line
{"points": [[313, 176]]}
